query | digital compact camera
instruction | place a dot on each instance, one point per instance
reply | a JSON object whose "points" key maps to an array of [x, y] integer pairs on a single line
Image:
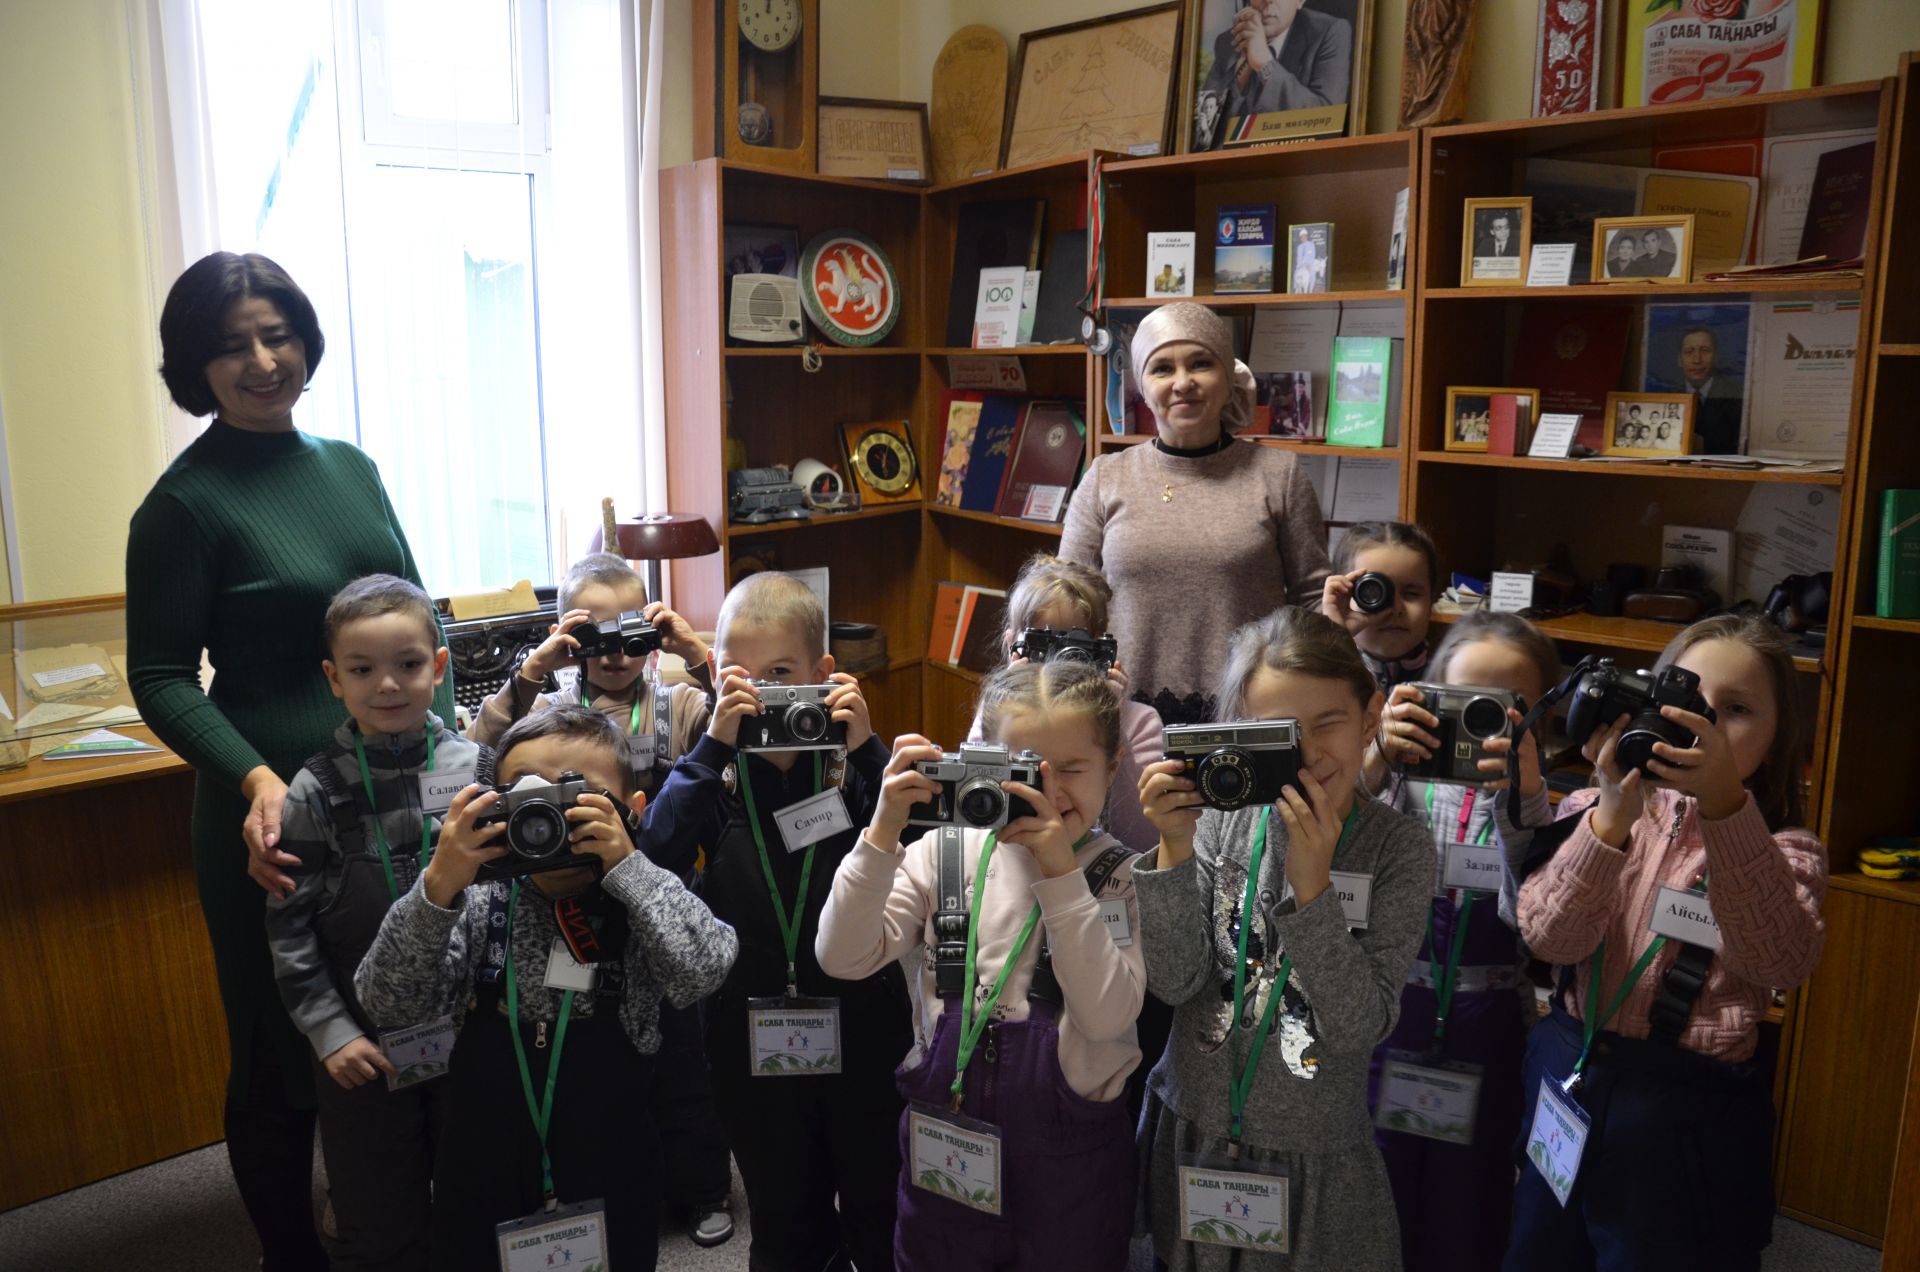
{"points": [[1372, 592], [630, 634], [1603, 693], [792, 718], [970, 794], [535, 813], [1237, 765], [1470, 716], [1037, 644]]}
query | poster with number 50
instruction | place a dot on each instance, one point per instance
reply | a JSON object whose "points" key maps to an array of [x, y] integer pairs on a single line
{"points": [[1700, 50]]}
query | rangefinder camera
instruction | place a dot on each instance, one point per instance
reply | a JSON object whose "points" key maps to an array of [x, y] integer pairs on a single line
{"points": [[1037, 644], [1605, 693], [630, 634], [970, 794], [792, 718], [1470, 716], [1237, 765], [535, 813]]}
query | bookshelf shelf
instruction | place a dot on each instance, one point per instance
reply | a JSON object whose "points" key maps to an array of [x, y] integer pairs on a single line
{"points": [[1611, 468], [1018, 351], [1645, 291], [1050, 529], [1640, 634], [1874, 623], [796, 352], [823, 520], [1256, 300]]}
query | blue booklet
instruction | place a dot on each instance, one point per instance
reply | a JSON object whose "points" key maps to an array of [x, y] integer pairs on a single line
{"points": [[1243, 248]]}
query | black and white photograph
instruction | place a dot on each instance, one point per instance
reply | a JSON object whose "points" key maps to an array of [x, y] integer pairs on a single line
{"points": [[1702, 350], [1495, 234], [1643, 249], [1653, 425], [1275, 70], [1309, 256]]}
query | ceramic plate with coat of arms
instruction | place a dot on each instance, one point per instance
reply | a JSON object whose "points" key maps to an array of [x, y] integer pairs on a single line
{"points": [[848, 288]]}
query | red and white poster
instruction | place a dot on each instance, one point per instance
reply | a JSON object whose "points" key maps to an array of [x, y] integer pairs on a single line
{"points": [[1566, 59], [1700, 50]]}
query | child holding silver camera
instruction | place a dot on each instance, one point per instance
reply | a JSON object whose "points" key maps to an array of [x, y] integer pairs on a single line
{"points": [[1281, 933], [362, 816], [1386, 575], [1445, 1085], [1031, 989], [776, 792], [1686, 892], [556, 978]]}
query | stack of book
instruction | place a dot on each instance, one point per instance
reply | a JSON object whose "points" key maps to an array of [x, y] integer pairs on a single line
{"points": [[967, 626], [1009, 455]]}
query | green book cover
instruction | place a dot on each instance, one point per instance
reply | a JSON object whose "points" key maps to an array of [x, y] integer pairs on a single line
{"points": [[1358, 414], [1899, 577]]}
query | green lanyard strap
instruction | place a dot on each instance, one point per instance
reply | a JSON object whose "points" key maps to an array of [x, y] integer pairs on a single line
{"points": [[633, 721], [789, 922], [379, 831], [1445, 980], [972, 1024], [541, 1111], [1594, 982]]}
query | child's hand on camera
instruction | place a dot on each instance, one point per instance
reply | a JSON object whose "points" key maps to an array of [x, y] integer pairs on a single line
{"points": [[901, 787], [677, 636], [849, 707], [358, 1063], [1403, 727], [1313, 832], [1494, 767], [734, 699], [1704, 770], [557, 650], [1120, 683], [1047, 833], [1336, 601], [1621, 788], [1173, 804], [463, 847], [599, 830]]}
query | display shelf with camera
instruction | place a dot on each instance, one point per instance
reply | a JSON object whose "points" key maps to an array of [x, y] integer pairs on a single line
{"points": [[1614, 468], [1256, 300], [1050, 529], [1644, 291], [824, 520]]}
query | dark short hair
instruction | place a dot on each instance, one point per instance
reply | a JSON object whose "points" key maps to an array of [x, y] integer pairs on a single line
{"points": [[1387, 534], [574, 723], [372, 595], [1701, 331], [193, 321]]}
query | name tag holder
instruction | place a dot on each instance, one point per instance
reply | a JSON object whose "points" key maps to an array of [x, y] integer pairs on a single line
{"points": [[1429, 1097], [1557, 1139], [1231, 1201], [1473, 867], [1119, 927], [564, 971], [793, 1037], [1685, 915], [1355, 892], [955, 1156], [418, 1053], [438, 789], [573, 1236], [811, 820]]}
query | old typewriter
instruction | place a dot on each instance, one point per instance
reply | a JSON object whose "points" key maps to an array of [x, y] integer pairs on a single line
{"points": [[483, 652]]}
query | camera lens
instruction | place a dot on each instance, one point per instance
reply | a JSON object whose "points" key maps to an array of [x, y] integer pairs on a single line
{"points": [[982, 803], [536, 831], [1635, 746], [806, 722], [1225, 779], [1074, 654], [1372, 592], [1484, 718], [635, 647]]}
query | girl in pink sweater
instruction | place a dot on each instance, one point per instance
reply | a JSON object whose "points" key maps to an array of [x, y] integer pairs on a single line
{"points": [[1682, 897], [1016, 1149]]}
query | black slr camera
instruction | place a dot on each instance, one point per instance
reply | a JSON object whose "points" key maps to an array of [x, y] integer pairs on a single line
{"points": [[1603, 693], [792, 718], [535, 814], [1372, 592], [630, 634], [1238, 765], [970, 794], [1037, 644], [1470, 716]]}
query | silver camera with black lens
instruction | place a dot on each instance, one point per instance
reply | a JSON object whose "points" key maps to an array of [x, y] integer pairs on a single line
{"points": [[1470, 716], [535, 814], [792, 718], [1237, 765], [970, 794]]}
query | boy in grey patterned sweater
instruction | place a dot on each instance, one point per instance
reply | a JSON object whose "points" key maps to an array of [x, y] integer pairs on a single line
{"points": [[505, 955]]}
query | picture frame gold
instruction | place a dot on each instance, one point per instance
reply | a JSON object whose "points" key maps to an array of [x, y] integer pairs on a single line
{"points": [[1081, 87], [1484, 259], [1204, 127], [1609, 232], [875, 140], [1462, 400], [1649, 425]]}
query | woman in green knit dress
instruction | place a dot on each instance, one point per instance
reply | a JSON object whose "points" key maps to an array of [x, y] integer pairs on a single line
{"points": [[236, 551]]}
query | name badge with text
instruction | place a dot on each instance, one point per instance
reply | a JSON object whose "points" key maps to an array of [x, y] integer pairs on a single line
{"points": [[811, 820], [794, 1036], [1434, 1099], [1119, 927], [418, 1053], [1356, 895], [1474, 867], [572, 1236], [1234, 1203], [955, 1157], [1685, 916], [1556, 1140], [438, 789], [564, 971]]}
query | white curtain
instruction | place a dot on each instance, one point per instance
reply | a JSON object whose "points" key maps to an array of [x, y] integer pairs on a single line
{"points": [[649, 24]]}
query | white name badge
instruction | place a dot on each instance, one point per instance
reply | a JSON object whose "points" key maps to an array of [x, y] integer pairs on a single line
{"points": [[438, 789], [1685, 916], [1224, 1202], [1356, 895], [1434, 1099], [573, 1236], [418, 1053], [1556, 1140], [1119, 927], [1475, 867], [955, 1157], [811, 820], [794, 1036], [564, 971]]}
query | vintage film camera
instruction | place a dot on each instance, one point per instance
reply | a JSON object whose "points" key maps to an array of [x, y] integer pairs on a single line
{"points": [[1470, 716], [792, 718], [535, 813], [1372, 592], [1237, 765], [630, 634], [1037, 644], [1602, 693], [759, 495], [970, 794]]}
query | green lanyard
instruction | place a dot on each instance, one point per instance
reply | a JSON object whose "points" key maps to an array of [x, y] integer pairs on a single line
{"points": [[541, 1112], [586, 700], [1445, 981], [789, 923], [972, 1025], [1594, 979], [1241, 1085], [379, 832]]}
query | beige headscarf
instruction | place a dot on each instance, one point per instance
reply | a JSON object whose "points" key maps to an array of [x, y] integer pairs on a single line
{"points": [[1185, 321]]}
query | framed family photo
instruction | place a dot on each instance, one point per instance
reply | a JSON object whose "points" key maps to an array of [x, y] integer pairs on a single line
{"points": [[1643, 249], [1650, 425], [1260, 71], [1495, 236], [1495, 421]]}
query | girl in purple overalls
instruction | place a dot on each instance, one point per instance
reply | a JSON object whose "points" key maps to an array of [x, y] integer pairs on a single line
{"points": [[1016, 1148], [1463, 1012]]}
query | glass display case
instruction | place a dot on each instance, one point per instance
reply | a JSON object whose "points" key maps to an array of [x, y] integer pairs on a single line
{"points": [[63, 683]]}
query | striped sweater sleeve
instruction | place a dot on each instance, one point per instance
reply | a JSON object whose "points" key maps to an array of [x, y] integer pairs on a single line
{"points": [[299, 962]]}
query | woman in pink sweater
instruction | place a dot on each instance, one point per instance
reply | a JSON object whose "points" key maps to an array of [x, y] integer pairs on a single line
{"points": [[1684, 895], [1016, 1150]]}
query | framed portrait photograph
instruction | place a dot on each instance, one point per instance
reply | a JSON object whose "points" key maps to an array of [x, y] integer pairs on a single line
{"points": [[881, 141], [1643, 249], [1495, 237], [1107, 83], [1496, 421], [1309, 256], [1702, 350], [1650, 425], [1260, 71]]}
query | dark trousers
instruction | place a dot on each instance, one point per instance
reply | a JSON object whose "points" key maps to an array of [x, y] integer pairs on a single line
{"points": [[802, 1143], [1677, 1171], [379, 1148], [693, 1144], [602, 1140], [270, 1149]]}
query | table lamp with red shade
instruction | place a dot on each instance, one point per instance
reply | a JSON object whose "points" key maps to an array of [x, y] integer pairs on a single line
{"points": [[665, 536]]}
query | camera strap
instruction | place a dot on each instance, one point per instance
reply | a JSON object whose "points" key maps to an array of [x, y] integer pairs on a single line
{"points": [[540, 1111], [1536, 714], [950, 912], [1045, 985], [595, 928], [974, 1017]]}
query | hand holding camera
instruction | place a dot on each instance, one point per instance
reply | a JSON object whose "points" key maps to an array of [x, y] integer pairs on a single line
{"points": [[1704, 770], [557, 650], [1493, 765], [677, 636], [903, 786], [799, 718], [468, 841], [1313, 832], [1173, 803], [734, 699], [600, 827], [849, 708], [1466, 721], [1620, 786], [1045, 831], [1355, 599], [1406, 727]]}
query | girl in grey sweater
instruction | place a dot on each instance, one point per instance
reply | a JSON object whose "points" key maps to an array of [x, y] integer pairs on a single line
{"points": [[1260, 1104]]}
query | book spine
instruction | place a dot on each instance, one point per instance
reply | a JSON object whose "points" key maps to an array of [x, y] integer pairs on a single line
{"points": [[1898, 576]]}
